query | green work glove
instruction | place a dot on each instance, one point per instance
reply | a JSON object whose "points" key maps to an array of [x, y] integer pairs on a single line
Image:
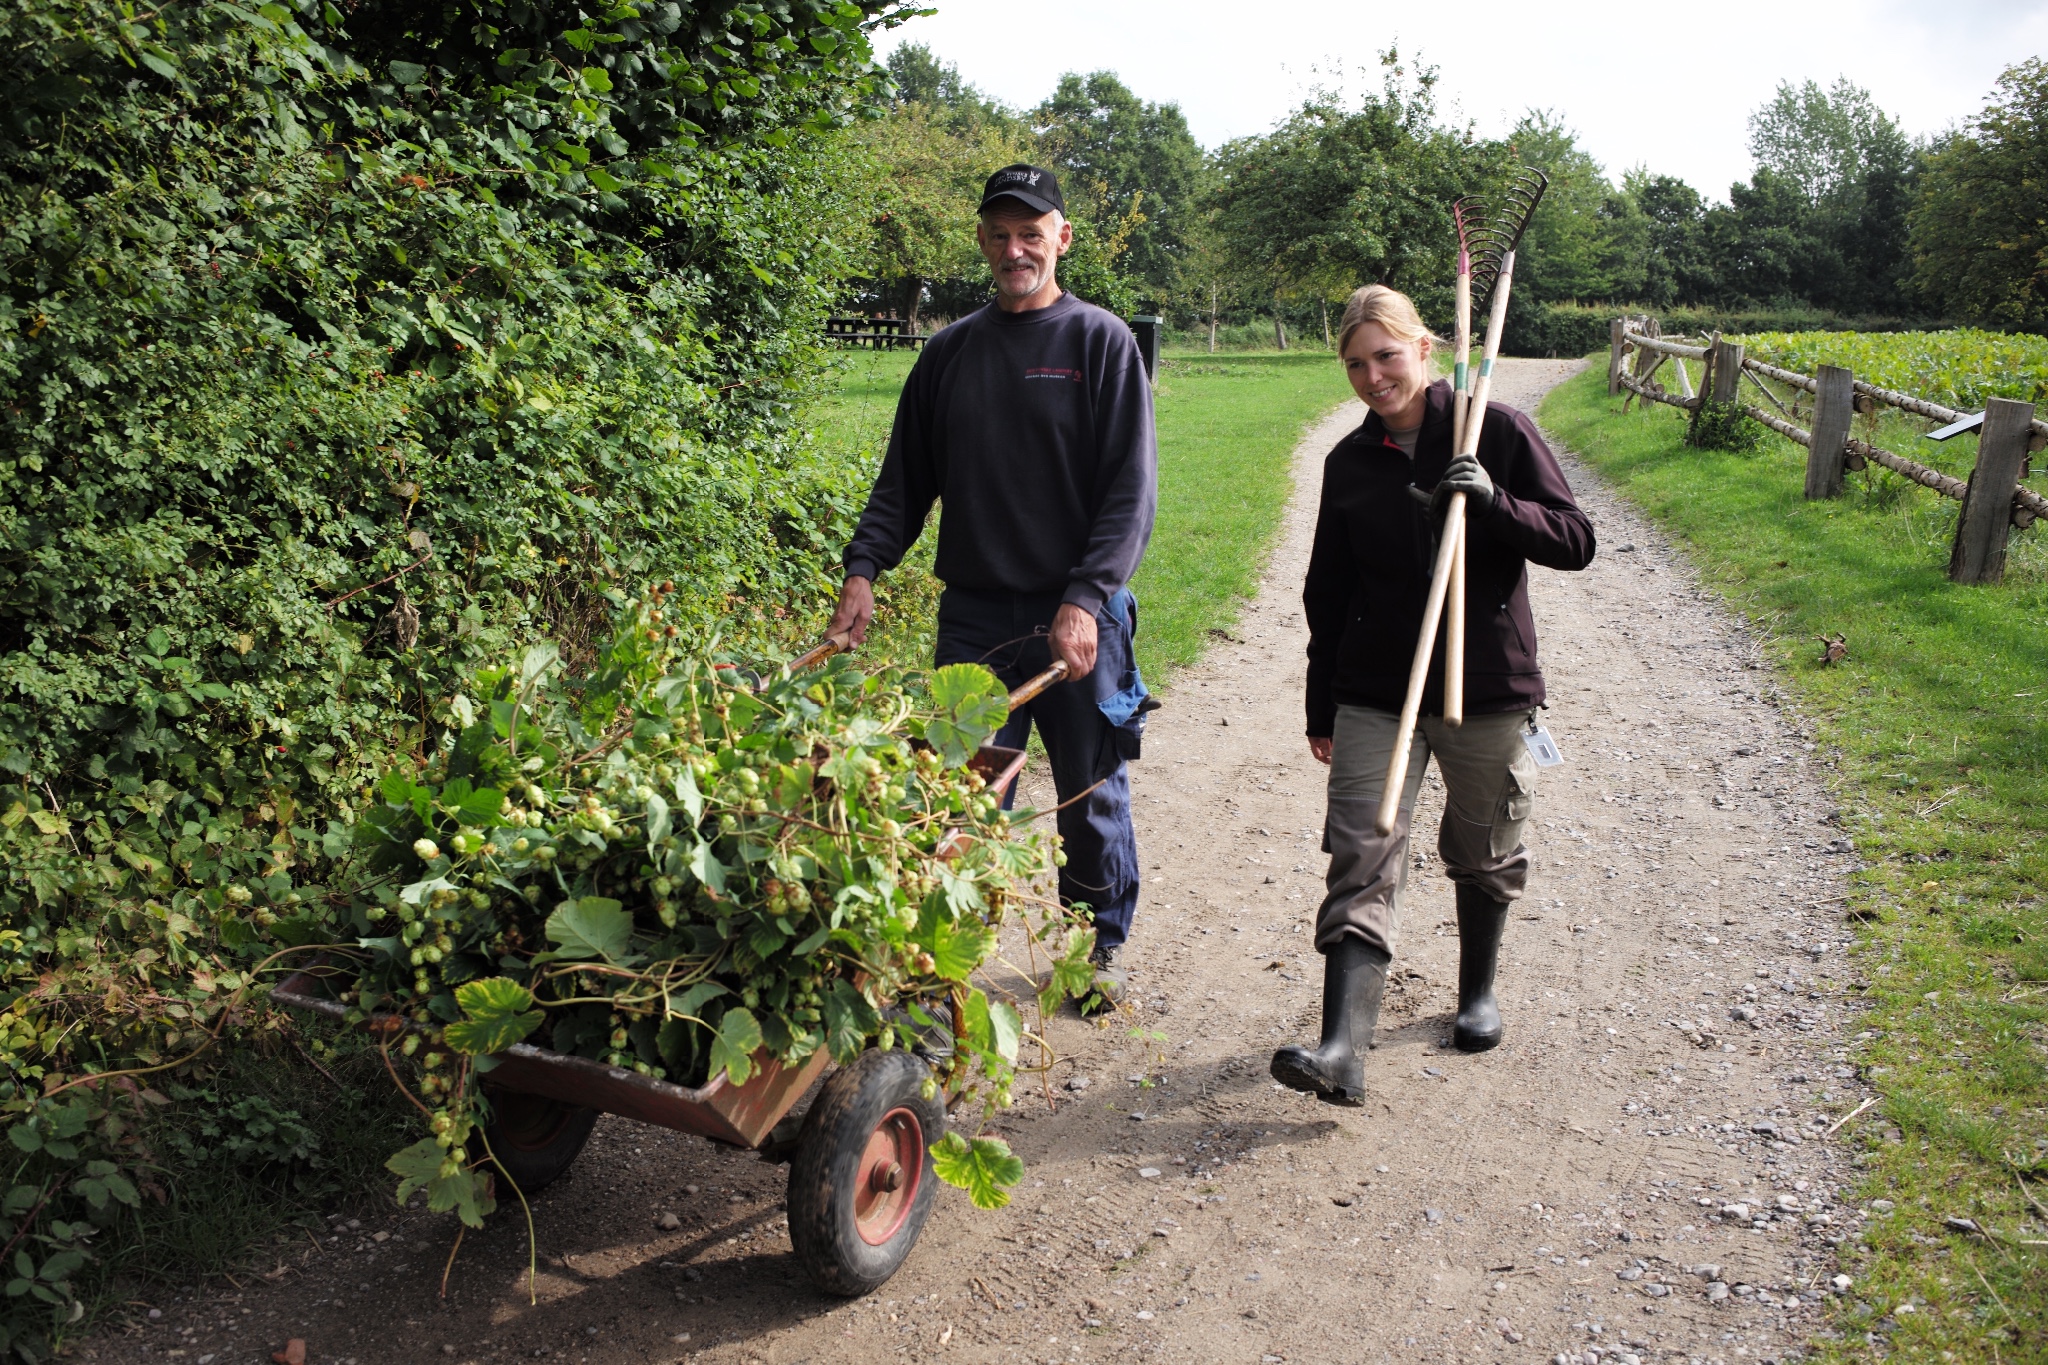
{"points": [[1467, 476]]}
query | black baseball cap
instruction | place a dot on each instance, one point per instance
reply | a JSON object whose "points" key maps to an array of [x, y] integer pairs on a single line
{"points": [[1032, 185]]}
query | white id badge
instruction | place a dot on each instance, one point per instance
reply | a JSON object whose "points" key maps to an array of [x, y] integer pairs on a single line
{"points": [[1542, 747]]}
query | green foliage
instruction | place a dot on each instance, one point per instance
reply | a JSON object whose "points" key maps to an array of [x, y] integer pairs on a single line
{"points": [[1960, 368], [1576, 329], [930, 156], [1585, 239], [982, 1166], [1336, 196], [737, 876], [496, 1013], [1939, 748], [1978, 240], [1121, 158], [1725, 426], [339, 355]]}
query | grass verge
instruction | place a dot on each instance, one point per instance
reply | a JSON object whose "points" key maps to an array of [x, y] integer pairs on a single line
{"points": [[1937, 724], [1227, 425]]}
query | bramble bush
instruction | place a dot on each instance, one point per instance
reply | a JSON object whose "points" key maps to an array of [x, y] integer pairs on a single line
{"points": [[340, 353]]}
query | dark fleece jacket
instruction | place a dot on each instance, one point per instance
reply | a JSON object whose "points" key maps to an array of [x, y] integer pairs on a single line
{"points": [[1375, 541]]}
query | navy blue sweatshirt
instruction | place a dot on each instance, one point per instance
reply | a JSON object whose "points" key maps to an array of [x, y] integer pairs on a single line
{"points": [[1036, 430], [1368, 575]]}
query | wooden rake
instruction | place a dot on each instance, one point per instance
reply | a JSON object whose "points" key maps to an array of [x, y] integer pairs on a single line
{"points": [[1486, 266]]}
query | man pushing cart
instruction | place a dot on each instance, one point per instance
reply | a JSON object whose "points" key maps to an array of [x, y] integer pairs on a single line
{"points": [[1031, 419]]}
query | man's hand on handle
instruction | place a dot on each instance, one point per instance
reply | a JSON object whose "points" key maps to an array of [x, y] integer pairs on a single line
{"points": [[1319, 746], [1073, 640], [849, 624]]}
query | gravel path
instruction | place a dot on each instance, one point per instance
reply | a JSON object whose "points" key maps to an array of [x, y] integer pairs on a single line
{"points": [[1673, 989]]}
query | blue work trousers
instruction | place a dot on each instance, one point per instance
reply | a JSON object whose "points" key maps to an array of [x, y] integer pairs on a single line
{"points": [[1007, 632]]}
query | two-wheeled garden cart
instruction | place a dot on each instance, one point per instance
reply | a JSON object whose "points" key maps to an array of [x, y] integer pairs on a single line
{"points": [[860, 1182]]}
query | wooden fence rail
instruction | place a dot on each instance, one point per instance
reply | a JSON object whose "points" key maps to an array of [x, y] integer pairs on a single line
{"points": [[2009, 433]]}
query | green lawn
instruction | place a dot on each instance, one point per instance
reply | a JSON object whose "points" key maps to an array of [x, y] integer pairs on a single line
{"points": [[1938, 725], [1227, 427]]}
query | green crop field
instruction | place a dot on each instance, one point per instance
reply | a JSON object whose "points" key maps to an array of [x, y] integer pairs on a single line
{"points": [[1958, 369], [1227, 428], [1937, 724]]}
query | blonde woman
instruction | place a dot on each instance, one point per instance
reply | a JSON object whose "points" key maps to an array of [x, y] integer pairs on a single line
{"points": [[1384, 487]]}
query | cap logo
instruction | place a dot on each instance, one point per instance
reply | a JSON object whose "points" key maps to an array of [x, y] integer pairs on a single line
{"points": [[1028, 177]]}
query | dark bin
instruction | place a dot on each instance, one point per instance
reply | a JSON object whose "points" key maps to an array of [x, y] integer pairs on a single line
{"points": [[1145, 327]]}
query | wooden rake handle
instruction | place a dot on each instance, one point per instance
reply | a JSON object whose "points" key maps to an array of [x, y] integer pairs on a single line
{"points": [[1418, 672]]}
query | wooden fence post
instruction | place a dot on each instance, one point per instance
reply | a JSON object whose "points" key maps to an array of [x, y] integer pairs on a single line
{"points": [[1979, 554], [1727, 370], [1834, 408], [1615, 331]]}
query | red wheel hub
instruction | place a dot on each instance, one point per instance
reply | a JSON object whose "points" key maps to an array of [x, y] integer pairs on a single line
{"points": [[885, 1184]]}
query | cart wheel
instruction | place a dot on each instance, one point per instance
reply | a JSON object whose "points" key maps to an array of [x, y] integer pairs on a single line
{"points": [[533, 1138], [862, 1183]]}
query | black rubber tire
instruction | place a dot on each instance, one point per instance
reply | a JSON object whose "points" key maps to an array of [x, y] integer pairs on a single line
{"points": [[534, 1139], [827, 1201]]}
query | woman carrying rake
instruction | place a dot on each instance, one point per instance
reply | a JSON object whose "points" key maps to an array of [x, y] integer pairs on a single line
{"points": [[1383, 490]]}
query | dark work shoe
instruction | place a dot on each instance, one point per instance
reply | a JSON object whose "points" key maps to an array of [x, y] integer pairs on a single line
{"points": [[1481, 922], [1107, 992], [1354, 979]]}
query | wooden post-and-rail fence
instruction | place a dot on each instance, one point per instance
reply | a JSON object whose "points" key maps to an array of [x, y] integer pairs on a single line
{"points": [[1993, 498]]}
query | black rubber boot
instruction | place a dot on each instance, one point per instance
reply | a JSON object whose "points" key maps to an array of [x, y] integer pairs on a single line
{"points": [[1354, 978], [1481, 921]]}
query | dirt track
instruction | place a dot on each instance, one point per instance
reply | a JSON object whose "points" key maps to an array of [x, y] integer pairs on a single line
{"points": [[1565, 1192]]}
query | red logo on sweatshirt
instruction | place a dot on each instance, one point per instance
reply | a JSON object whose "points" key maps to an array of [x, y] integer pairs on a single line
{"points": [[1046, 372]]}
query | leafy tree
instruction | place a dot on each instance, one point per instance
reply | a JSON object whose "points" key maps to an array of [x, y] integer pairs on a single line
{"points": [[1587, 240], [1979, 230], [1767, 245], [933, 163], [1119, 155], [1677, 267], [1337, 197], [1851, 165]]}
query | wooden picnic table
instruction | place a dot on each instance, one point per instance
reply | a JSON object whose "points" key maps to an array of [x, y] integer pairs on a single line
{"points": [[873, 333]]}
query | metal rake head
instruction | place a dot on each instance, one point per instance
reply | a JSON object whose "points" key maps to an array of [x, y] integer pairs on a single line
{"points": [[1491, 236]]}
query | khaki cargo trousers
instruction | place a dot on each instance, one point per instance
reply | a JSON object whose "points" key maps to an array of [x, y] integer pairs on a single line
{"points": [[1490, 786]]}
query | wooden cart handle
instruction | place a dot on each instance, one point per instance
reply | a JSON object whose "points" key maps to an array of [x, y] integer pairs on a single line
{"points": [[1034, 686], [814, 656]]}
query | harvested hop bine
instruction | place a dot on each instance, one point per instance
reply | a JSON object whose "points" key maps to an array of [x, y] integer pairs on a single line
{"points": [[662, 868]]}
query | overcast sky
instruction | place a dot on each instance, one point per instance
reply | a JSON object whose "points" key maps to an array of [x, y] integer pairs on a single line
{"points": [[1667, 85]]}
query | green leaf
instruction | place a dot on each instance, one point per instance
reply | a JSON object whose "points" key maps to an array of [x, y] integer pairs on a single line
{"points": [[499, 1012], [849, 1020], [957, 947], [706, 868], [971, 705], [1006, 1027], [993, 1026], [25, 1136], [598, 79], [408, 73], [734, 1045], [450, 1185], [591, 927], [688, 797], [984, 1167], [657, 819]]}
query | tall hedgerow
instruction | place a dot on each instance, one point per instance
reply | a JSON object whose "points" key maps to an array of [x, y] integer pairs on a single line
{"points": [[340, 348]]}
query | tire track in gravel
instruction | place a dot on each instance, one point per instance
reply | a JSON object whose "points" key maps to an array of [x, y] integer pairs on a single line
{"points": [[1559, 1194]]}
